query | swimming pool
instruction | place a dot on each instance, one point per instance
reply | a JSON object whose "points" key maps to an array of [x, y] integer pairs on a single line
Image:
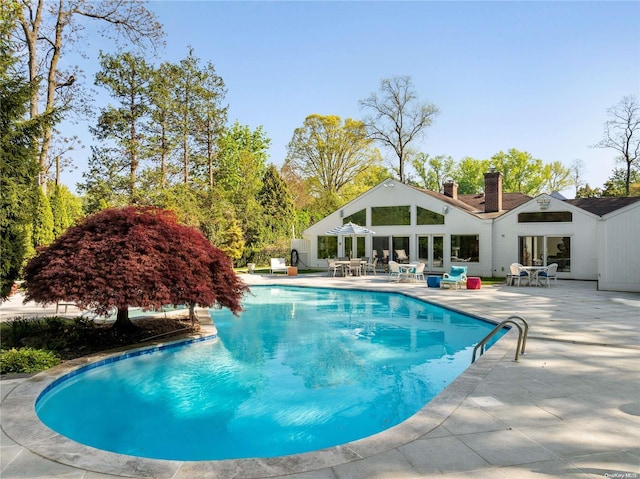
{"points": [[302, 369]]}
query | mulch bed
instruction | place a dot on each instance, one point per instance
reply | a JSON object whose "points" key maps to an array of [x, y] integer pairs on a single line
{"points": [[103, 337]]}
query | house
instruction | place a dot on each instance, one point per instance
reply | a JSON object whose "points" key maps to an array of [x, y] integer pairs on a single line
{"points": [[590, 239]]}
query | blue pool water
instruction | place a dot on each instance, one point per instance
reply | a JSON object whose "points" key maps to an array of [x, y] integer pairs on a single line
{"points": [[301, 369]]}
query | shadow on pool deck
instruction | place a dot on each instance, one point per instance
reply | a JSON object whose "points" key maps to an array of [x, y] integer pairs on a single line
{"points": [[569, 408]]}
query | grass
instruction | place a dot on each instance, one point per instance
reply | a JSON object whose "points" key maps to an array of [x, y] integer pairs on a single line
{"points": [[486, 281]]}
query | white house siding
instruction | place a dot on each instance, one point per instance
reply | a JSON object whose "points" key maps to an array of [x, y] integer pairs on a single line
{"points": [[582, 230], [619, 250], [457, 222]]}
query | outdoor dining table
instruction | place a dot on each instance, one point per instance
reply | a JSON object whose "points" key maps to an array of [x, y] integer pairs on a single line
{"points": [[405, 268], [345, 265], [533, 272]]}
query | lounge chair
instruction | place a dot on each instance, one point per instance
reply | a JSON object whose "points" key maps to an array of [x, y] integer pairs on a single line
{"points": [[401, 256], [550, 273], [278, 265], [456, 277], [518, 274]]}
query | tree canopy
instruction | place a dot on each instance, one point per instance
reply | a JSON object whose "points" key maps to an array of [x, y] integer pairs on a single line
{"points": [[397, 117], [622, 134], [132, 256], [330, 153], [46, 31], [18, 161]]}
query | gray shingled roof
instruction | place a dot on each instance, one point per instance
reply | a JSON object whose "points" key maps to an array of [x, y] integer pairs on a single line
{"points": [[602, 206], [474, 204]]}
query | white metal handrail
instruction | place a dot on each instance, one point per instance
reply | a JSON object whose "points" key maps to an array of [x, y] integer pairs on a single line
{"points": [[523, 331]]}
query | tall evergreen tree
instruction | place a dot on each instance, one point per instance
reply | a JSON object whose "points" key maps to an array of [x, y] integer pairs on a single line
{"points": [[42, 233], [126, 77], [161, 140], [66, 208], [277, 206], [185, 93], [210, 118], [18, 160]]}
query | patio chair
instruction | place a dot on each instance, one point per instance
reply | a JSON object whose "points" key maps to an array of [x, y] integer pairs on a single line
{"points": [[419, 272], [414, 273], [550, 273], [401, 256], [518, 274], [278, 264], [456, 277], [394, 271], [332, 267], [370, 267], [355, 267]]}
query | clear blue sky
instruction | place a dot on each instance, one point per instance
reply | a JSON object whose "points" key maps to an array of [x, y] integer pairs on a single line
{"points": [[535, 76]]}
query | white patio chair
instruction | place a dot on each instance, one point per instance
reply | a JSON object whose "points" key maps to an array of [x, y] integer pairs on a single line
{"points": [[394, 271], [550, 274], [419, 272], [278, 265], [355, 266], [370, 267], [332, 267], [518, 274]]}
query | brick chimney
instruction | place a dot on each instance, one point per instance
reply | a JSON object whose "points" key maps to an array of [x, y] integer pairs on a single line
{"points": [[492, 191], [451, 189]]}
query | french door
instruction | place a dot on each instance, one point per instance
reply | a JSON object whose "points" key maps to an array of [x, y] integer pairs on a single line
{"points": [[431, 252]]}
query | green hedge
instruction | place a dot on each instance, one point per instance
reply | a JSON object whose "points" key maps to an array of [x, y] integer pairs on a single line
{"points": [[26, 360]]}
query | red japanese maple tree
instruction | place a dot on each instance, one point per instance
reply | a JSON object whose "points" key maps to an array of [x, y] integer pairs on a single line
{"points": [[133, 256]]}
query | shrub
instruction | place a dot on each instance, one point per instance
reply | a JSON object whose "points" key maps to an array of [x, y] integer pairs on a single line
{"points": [[26, 360], [21, 332]]}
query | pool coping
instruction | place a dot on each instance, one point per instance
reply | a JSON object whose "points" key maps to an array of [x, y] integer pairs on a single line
{"points": [[22, 425]]}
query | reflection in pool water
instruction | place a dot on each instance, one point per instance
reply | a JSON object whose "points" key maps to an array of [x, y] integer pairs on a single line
{"points": [[301, 369]]}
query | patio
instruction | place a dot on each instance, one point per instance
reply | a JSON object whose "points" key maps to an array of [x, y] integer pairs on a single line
{"points": [[568, 408]]}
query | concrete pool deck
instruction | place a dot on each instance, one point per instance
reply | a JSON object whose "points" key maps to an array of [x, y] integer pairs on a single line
{"points": [[569, 408]]}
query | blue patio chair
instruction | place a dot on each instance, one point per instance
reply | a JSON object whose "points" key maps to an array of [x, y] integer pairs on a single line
{"points": [[518, 274], [456, 277], [550, 274]]}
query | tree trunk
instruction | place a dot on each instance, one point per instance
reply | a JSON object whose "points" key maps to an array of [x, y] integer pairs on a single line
{"points": [[192, 313], [123, 324]]}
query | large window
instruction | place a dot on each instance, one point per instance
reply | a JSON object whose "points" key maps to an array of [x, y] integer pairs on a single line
{"points": [[559, 251], [531, 250], [327, 247], [544, 250], [359, 218], [381, 249], [427, 217], [423, 249], [438, 251], [546, 217], [390, 215], [465, 248], [348, 247], [400, 243]]}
